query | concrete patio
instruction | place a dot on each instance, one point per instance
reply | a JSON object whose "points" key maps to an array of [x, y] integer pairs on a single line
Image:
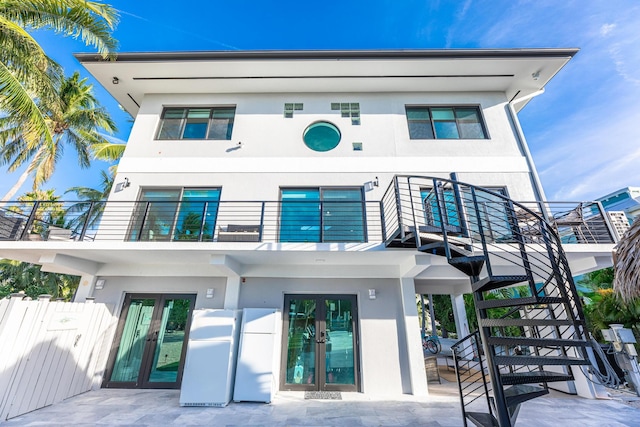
{"points": [[441, 409]]}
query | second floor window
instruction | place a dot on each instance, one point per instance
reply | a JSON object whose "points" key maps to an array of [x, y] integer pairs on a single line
{"points": [[197, 123], [445, 123]]}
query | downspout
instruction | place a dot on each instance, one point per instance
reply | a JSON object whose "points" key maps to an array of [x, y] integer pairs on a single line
{"points": [[537, 185]]}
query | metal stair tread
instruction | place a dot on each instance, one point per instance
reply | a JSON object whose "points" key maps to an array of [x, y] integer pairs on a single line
{"points": [[537, 342], [482, 419], [494, 282], [438, 248], [525, 322], [534, 377], [513, 302], [520, 393], [469, 265], [539, 360]]}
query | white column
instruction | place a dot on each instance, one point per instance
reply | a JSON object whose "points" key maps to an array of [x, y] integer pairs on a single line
{"points": [[85, 288], [462, 323], [460, 315], [418, 377], [232, 293]]}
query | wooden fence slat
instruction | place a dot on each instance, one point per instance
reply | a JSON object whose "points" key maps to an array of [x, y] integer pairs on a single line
{"points": [[44, 360]]}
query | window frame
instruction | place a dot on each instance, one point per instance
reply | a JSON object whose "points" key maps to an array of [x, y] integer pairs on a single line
{"points": [[184, 119], [456, 120], [321, 215]]}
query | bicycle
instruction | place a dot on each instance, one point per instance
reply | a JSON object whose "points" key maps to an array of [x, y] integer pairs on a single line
{"points": [[432, 344]]}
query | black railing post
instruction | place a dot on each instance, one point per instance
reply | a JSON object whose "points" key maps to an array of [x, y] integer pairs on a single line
{"points": [[398, 206], [30, 220], [459, 205], [483, 238], [261, 222], [86, 222], [204, 221], [383, 224], [144, 219]]}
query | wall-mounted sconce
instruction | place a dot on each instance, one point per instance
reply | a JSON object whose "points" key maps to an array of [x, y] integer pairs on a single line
{"points": [[372, 294], [376, 182], [126, 183], [100, 284], [535, 75], [115, 80], [209, 293]]}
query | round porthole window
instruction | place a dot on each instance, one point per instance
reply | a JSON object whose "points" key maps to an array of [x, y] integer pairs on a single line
{"points": [[322, 136]]}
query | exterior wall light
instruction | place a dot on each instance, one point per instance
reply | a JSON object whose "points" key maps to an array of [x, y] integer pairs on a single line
{"points": [[372, 294], [115, 80]]}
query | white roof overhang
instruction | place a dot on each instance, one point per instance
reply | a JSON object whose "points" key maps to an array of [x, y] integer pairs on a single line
{"points": [[516, 72]]}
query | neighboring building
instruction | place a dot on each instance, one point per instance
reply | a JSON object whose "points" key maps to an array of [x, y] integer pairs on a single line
{"points": [[619, 223], [626, 200], [296, 180]]}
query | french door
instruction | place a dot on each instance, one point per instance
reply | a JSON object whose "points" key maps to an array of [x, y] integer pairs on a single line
{"points": [[150, 343], [320, 343]]}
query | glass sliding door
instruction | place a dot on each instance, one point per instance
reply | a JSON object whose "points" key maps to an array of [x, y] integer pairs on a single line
{"points": [[322, 215], [197, 215], [320, 337], [155, 214], [300, 215], [150, 344], [343, 215]]}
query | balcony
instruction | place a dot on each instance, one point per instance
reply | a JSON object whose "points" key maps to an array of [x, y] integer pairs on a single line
{"points": [[410, 206]]}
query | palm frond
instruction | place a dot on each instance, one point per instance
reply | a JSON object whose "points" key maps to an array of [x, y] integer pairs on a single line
{"points": [[108, 151], [92, 22], [626, 282]]}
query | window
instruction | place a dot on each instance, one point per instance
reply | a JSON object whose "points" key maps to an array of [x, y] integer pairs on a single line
{"points": [[445, 123], [290, 107], [321, 136], [348, 109], [322, 215], [197, 123]]}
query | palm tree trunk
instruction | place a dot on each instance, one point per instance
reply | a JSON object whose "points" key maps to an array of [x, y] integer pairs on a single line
{"points": [[13, 190]]}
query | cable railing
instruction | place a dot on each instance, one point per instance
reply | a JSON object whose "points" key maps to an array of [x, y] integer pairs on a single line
{"points": [[334, 221]]}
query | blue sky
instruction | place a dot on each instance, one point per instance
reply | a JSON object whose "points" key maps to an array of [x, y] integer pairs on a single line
{"points": [[583, 132]]}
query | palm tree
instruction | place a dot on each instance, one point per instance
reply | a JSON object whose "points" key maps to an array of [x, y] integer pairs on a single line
{"points": [[78, 123], [91, 206], [626, 281], [28, 77]]}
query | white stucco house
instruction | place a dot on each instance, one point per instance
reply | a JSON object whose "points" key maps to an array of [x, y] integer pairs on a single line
{"points": [[329, 185]]}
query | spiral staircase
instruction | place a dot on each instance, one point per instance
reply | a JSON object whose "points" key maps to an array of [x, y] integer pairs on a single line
{"points": [[531, 324]]}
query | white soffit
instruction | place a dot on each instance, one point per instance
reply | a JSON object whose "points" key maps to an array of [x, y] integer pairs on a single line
{"points": [[511, 72]]}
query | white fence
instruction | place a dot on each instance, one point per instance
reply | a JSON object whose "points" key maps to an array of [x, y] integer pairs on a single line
{"points": [[50, 351]]}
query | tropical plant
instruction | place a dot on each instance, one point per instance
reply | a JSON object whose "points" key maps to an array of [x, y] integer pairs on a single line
{"points": [[29, 79], [48, 210], [611, 308], [88, 211], [78, 123], [16, 276]]}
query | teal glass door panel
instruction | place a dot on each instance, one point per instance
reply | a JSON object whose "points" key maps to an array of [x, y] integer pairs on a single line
{"points": [[133, 340], [154, 216], [197, 215], [300, 215], [342, 215], [340, 361], [170, 340], [320, 336], [301, 342]]}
